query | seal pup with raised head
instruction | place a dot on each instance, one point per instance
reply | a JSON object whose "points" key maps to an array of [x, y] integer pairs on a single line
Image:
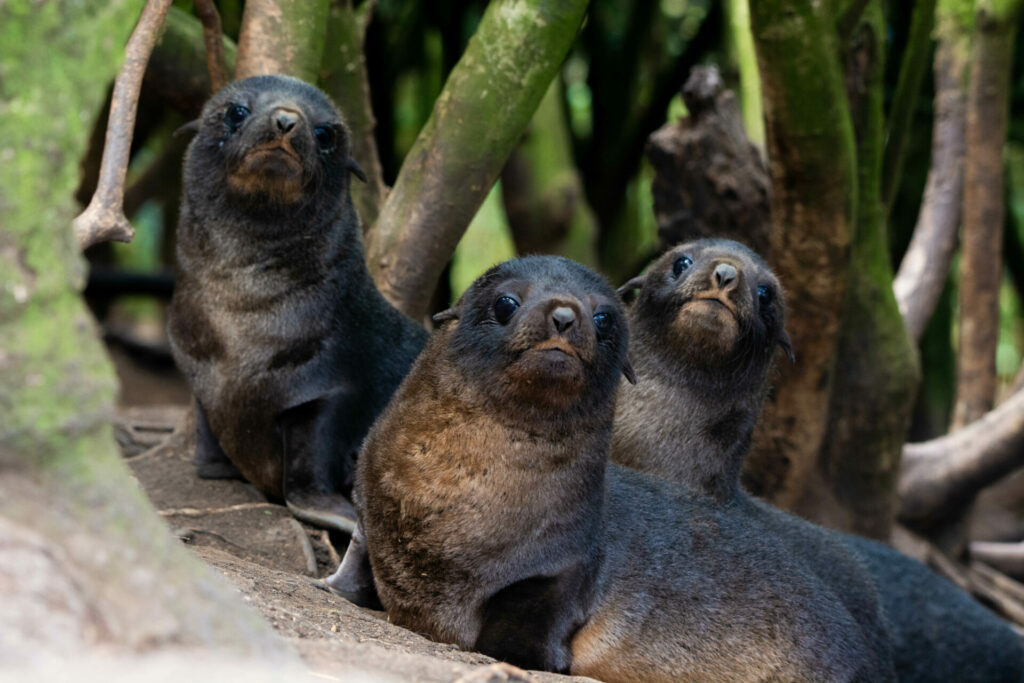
{"points": [[705, 327], [289, 349], [493, 521]]}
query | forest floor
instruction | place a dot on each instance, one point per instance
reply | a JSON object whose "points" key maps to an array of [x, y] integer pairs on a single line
{"points": [[276, 562]]}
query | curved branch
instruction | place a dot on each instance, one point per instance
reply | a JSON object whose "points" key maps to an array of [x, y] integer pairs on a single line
{"points": [[213, 38], [104, 220], [923, 271], [485, 106], [941, 476]]}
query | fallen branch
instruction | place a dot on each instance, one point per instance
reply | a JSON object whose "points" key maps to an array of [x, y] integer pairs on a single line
{"points": [[1002, 592], [104, 220], [1007, 558], [213, 38], [938, 478]]}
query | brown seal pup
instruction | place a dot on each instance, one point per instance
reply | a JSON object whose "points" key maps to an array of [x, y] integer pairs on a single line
{"points": [[704, 372], [289, 349], [491, 521]]}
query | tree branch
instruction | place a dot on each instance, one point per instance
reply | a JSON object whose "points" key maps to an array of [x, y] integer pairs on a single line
{"points": [[486, 104], [938, 478], [923, 271], [981, 257], [104, 220], [213, 38], [282, 37], [345, 79]]}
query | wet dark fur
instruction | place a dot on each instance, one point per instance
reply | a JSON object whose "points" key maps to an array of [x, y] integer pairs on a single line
{"points": [[493, 521], [284, 340], [690, 419]]}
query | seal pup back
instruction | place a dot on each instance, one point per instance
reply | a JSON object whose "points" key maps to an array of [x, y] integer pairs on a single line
{"points": [[289, 349], [492, 520]]}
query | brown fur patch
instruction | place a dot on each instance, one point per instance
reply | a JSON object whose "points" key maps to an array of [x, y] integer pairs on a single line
{"points": [[273, 169]]}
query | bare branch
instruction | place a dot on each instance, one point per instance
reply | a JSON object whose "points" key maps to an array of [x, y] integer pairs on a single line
{"points": [[104, 220], [943, 475], [1008, 558], [923, 271], [282, 37], [213, 37]]}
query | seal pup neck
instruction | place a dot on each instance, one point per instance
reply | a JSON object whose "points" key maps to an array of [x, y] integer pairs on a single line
{"points": [[706, 325]]}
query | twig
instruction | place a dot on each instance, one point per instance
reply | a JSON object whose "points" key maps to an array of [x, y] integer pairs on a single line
{"points": [[104, 220], [1008, 558], [213, 36], [201, 512]]}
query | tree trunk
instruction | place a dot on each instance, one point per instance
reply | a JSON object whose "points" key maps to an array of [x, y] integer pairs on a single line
{"points": [[489, 98], [82, 554], [282, 37], [813, 166], [542, 192], [981, 260], [345, 79], [925, 267], [876, 370]]}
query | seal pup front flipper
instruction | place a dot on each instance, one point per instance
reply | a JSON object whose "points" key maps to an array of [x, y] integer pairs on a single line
{"points": [[210, 460], [354, 578]]}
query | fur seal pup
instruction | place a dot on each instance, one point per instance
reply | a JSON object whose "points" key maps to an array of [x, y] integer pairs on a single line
{"points": [[704, 372], [289, 349], [493, 521]]}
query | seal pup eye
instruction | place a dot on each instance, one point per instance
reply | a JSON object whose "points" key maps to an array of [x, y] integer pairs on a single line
{"points": [[681, 264], [765, 294], [235, 116], [603, 322], [324, 138], [504, 308]]}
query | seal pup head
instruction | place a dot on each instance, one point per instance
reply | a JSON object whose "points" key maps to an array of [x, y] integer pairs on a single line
{"points": [[542, 333], [713, 304], [271, 143]]}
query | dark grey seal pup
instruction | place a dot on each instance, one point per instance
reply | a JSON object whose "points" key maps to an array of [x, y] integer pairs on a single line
{"points": [[705, 327], [289, 349]]}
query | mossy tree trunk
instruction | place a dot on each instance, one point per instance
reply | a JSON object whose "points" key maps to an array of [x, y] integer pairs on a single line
{"points": [[830, 441], [876, 372], [812, 157], [71, 515], [486, 104]]}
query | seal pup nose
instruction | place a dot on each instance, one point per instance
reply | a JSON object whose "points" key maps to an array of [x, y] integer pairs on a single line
{"points": [[724, 275], [563, 317], [285, 119]]}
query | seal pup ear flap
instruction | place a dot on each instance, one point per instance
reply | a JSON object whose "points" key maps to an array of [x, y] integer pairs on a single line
{"points": [[787, 345], [353, 166], [190, 128], [445, 315], [627, 372], [635, 283]]}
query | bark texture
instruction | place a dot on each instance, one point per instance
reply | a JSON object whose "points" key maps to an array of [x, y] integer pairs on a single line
{"points": [[981, 260], [488, 100], [925, 266], [876, 372], [813, 169], [344, 78], [69, 510], [709, 178], [282, 37]]}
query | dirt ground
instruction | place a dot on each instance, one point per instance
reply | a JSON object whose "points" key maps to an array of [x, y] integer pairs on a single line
{"points": [[278, 565]]}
